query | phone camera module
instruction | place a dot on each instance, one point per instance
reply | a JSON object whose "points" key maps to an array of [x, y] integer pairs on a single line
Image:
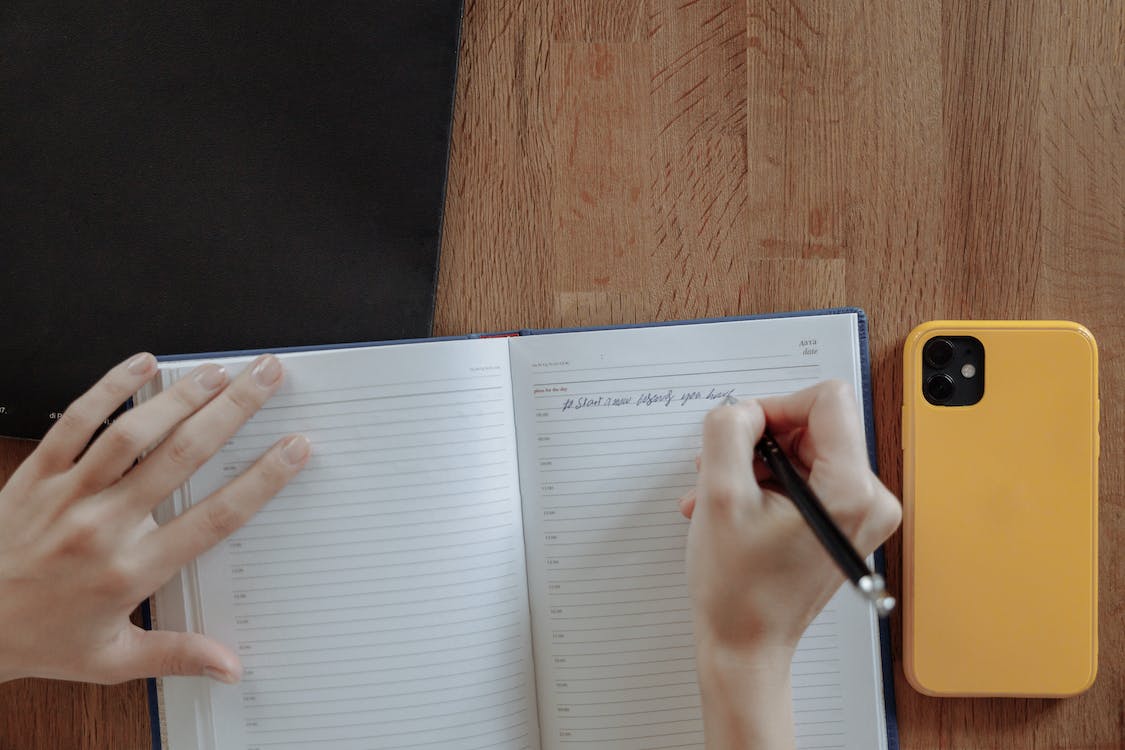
{"points": [[952, 370], [938, 352], [940, 388]]}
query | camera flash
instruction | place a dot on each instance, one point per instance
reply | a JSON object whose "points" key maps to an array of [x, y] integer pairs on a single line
{"points": [[967, 370]]}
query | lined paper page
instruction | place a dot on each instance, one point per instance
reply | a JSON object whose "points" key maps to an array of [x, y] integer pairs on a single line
{"points": [[379, 601], [609, 427]]}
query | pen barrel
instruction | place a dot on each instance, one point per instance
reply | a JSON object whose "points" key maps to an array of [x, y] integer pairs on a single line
{"points": [[813, 511]]}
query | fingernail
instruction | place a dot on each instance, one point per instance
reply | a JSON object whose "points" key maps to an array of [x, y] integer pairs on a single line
{"points": [[211, 377], [220, 675], [295, 450], [267, 372], [141, 364]]}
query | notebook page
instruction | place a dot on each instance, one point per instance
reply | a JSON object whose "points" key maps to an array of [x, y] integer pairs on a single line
{"points": [[380, 599], [608, 429]]}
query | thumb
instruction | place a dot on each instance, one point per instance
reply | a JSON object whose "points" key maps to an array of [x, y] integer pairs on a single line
{"points": [[159, 653]]}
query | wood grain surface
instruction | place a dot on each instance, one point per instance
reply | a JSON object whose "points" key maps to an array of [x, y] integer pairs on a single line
{"points": [[629, 160]]}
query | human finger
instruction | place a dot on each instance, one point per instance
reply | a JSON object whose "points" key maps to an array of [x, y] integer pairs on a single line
{"points": [[687, 503], [726, 469], [182, 539], [160, 653], [202, 434], [118, 447], [879, 518], [824, 419], [65, 441]]}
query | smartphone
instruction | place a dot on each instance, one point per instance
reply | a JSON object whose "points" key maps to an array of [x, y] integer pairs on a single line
{"points": [[1000, 508]]}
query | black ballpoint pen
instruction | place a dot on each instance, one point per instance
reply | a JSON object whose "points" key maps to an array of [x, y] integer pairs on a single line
{"points": [[869, 583]]}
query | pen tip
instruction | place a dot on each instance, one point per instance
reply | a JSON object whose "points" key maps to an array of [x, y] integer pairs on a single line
{"points": [[730, 400]]}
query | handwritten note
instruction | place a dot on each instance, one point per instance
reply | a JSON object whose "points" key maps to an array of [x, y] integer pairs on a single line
{"points": [[666, 398]]}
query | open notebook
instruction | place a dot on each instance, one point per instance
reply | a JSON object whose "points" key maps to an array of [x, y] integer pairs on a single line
{"points": [[485, 549]]}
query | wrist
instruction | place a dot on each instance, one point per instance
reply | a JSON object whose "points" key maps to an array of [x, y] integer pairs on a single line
{"points": [[752, 639], [750, 666], [747, 696]]}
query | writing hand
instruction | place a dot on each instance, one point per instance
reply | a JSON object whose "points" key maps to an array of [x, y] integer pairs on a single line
{"points": [[757, 574], [79, 548]]}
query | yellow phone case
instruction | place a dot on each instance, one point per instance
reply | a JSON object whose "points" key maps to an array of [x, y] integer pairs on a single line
{"points": [[1000, 529]]}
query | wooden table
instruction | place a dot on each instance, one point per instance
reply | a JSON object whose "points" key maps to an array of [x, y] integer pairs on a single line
{"points": [[622, 160]]}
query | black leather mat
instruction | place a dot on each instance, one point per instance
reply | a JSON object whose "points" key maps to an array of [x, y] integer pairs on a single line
{"points": [[204, 176]]}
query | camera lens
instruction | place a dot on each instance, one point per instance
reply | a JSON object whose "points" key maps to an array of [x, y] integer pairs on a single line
{"points": [[939, 387], [938, 352]]}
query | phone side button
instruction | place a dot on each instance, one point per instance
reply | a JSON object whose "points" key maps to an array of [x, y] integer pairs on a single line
{"points": [[902, 423]]}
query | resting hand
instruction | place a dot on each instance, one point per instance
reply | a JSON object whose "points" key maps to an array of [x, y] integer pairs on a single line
{"points": [[79, 548]]}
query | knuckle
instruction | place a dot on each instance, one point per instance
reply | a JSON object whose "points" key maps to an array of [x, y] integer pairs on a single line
{"points": [[854, 508], [82, 534], [880, 520], [173, 662], [838, 390], [83, 482], [727, 419], [241, 400], [722, 495], [184, 398], [220, 519], [269, 475], [183, 451], [852, 515], [116, 390], [870, 507], [117, 580], [123, 437], [76, 418], [890, 514]]}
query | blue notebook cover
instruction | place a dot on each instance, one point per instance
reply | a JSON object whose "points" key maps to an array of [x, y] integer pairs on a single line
{"points": [[868, 414]]}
